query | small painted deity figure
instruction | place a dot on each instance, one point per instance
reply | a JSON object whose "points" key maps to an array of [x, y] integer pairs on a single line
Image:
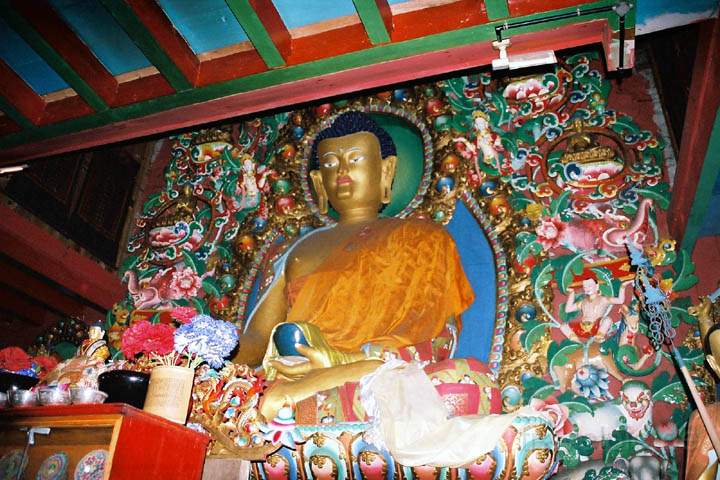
{"points": [[594, 320], [89, 362]]}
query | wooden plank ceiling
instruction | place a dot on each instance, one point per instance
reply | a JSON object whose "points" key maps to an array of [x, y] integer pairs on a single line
{"points": [[79, 73]]}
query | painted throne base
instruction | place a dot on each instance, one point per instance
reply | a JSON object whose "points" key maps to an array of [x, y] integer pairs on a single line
{"points": [[527, 451]]}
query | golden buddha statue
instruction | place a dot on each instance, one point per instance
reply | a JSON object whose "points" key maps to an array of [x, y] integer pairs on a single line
{"points": [[360, 290], [699, 463]]}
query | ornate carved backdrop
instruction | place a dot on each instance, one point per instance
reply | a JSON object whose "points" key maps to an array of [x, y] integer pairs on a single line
{"points": [[557, 179]]}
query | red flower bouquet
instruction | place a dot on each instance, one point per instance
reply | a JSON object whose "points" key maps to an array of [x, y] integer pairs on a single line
{"points": [[148, 339], [14, 359]]}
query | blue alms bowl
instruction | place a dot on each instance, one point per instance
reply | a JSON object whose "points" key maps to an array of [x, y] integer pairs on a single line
{"points": [[286, 336]]}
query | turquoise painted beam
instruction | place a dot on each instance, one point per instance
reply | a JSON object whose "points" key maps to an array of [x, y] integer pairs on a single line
{"points": [[376, 17], [147, 44], [18, 23], [261, 23], [706, 182]]}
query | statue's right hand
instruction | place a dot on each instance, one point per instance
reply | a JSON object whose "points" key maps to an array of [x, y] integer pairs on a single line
{"points": [[316, 359]]}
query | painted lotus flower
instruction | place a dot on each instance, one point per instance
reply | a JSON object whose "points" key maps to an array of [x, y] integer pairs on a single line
{"points": [[185, 283], [549, 232], [591, 382]]}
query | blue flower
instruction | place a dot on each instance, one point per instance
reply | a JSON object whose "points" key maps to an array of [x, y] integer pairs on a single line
{"points": [[591, 382], [207, 338]]}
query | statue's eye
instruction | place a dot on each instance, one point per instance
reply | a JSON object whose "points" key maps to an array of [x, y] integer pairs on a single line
{"points": [[331, 162], [356, 159]]}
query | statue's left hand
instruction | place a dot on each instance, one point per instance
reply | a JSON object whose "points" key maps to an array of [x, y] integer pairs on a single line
{"points": [[316, 359]]}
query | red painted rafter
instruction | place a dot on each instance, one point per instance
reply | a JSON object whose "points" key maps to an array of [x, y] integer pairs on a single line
{"points": [[437, 19], [40, 251], [67, 44], [43, 292], [83, 61], [34, 107], [344, 82], [20, 95], [274, 25], [528, 7], [174, 45]]}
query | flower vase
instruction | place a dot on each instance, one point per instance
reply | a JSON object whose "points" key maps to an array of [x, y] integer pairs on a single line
{"points": [[169, 392]]}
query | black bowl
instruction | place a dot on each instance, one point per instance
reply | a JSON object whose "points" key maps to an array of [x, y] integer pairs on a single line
{"points": [[13, 381], [124, 386]]}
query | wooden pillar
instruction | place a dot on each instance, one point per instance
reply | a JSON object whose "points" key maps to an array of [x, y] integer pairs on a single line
{"points": [[699, 158]]}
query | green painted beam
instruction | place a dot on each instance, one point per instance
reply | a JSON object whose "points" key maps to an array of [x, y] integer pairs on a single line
{"points": [[703, 194], [372, 20], [12, 112], [381, 53], [497, 9], [18, 23], [249, 20], [147, 44]]}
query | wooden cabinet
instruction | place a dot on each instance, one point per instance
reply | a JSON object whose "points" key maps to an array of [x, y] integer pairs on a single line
{"points": [[139, 445]]}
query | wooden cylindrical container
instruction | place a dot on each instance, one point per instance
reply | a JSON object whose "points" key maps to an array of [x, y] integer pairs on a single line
{"points": [[169, 392]]}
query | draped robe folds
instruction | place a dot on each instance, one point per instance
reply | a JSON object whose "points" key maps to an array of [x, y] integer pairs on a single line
{"points": [[394, 283]]}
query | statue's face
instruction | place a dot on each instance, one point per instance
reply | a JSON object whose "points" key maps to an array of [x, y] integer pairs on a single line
{"points": [[351, 170]]}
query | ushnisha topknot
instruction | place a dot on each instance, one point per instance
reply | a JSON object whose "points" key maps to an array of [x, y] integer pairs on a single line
{"points": [[349, 123]]}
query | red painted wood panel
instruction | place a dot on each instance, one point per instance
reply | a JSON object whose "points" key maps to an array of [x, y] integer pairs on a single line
{"points": [[42, 291], [329, 43], [438, 19], [274, 25], [527, 7], [65, 109], [64, 40], [39, 250], [143, 88], [310, 89], [174, 45], [20, 95], [23, 307], [703, 103], [220, 68]]}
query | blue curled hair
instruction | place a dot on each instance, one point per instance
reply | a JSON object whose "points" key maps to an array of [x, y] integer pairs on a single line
{"points": [[349, 123]]}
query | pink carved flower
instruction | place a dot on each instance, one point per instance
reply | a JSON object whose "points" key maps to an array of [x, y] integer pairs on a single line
{"points": [[559, 414], [550, 231], [185, 283], [183, 314]]}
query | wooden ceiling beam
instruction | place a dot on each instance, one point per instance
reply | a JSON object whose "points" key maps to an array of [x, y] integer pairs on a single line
{"points": [[265, 28], [376, 17], [42, 290], [42, 47], [64, 41], [148, 44], [40, 251], [169, 39], [21, 102], [353, 75]]}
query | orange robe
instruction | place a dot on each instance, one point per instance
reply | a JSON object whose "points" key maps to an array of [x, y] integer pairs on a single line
{"points": [[395, 283]]}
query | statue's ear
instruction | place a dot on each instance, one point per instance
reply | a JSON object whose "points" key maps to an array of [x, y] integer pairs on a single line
{"points": [[388, 175], [322, 197]]}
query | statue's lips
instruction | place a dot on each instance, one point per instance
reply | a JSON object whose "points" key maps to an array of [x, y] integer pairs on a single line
{"points": [[344, 180]]}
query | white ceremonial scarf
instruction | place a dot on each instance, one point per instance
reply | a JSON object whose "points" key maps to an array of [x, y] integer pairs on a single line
{"points": [[411, 422]]}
